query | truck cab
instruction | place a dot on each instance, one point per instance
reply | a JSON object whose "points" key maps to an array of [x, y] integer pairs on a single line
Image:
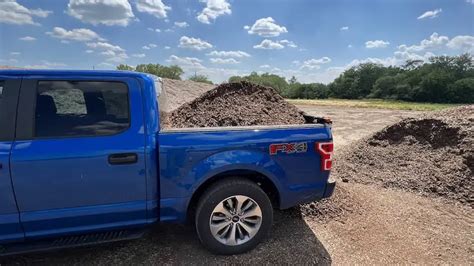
{"points": [[82, 153]]}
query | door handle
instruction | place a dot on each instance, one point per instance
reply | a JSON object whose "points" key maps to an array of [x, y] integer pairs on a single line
{"points": [[123, 158]]}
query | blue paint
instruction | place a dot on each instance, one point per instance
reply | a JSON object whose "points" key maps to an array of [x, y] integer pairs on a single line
{"points": [[66, 185]]}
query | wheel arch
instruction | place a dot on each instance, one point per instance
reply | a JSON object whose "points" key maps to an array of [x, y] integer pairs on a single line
{"points": [[261, 179]]}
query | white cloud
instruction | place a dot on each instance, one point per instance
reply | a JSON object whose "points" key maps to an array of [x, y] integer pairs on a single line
{"points": [[434, 42], [237, 54], [288, 43], [193, 43], [11, 60], [105, 46], [381, 61], [315, 63], [349, 46], [114, 53], [105, 65], [149, 46], [187, 63], [169, 30], [153, 7], [46, 65], [81, 34], [28, 39], [430, 14], [470, 1], [138, 55], [167, 47], [224, 61], [15, 53], [376, 44], [464, 43], [12, 12], [183, 24], [266, 27], [107, 12], [213, 10], [402, 56], [89, 51], [155, 30], [344, 28], [269, 45], [265, 66]]}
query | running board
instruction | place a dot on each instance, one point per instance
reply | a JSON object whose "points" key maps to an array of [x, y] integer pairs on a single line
{"points": [[69, 242]]}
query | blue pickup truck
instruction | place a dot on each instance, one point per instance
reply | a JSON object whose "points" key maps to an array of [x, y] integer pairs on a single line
{"points": [[84, 160]]}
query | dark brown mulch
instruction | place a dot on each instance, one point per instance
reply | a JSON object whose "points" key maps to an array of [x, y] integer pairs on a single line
{"points": [[431, 155], [336, 208], [236, 104]]}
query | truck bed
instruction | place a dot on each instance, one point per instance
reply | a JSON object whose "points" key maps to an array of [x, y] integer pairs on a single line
{"points": [[189, 156]]}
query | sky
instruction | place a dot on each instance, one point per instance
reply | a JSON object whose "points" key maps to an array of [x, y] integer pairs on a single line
{"points": [[313, 40]]}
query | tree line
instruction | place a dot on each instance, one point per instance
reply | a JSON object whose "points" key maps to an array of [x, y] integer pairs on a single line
{"points": [[171, 72], [442, 79]]}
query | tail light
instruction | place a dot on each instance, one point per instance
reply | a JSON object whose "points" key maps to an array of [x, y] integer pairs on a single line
{"points": [[325, 150]]}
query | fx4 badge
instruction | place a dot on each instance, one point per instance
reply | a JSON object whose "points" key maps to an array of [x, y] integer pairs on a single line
{"points": [[288, 148]]}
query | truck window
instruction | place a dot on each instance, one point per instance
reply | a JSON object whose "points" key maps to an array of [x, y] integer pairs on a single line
{"points": [[1, 88], [81, 108]]}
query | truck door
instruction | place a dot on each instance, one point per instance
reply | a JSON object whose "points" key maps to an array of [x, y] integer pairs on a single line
{"points": [[78, 159], [10, 229]]}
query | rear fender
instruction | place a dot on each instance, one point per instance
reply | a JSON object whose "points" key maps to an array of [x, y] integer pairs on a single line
{"points": [[236, 160]]}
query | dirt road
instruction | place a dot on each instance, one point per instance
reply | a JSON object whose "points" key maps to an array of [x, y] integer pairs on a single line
{"points": [[392, 227], [351, 124]]}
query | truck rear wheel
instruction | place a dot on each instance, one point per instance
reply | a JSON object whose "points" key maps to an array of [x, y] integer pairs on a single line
{"points": [[233, 216]]}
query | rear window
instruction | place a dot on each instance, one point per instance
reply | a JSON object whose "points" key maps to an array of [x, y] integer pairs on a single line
{"points": [[81, 109]]}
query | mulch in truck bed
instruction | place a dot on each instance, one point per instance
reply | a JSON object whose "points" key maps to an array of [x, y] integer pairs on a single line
{"points": [[235, 104]]}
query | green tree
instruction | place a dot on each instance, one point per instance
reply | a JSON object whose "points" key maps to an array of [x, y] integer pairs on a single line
{"points": [[171, 72], [266, 79], [462, 91], [200, 78], [125, 67], [292, 80], [308, 91], [432, 81]]}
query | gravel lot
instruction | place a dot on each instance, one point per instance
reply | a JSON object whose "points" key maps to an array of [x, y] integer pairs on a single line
{"points": [[388, 226]]}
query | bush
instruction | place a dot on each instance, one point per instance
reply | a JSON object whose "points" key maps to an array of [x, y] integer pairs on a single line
{"points": [[462, 91], [308, 91]]}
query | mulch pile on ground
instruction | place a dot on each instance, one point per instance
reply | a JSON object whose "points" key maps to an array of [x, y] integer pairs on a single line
{"points": [[236, 104], [335, 208], [432, 155]]}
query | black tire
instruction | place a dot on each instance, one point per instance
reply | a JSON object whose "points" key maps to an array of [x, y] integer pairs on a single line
{"points": [[220, 191]]}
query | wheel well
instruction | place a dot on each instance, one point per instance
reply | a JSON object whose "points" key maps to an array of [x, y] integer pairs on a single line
{"points": [[264, 182]]}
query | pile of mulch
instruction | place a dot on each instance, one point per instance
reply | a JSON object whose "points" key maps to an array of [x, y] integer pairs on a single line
{"points": [[179, 92], [432, 155], [235, 104], [335, 208]]}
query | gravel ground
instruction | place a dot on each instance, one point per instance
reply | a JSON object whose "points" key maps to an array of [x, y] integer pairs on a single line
{"points": [[228, 105], [368, 224]]}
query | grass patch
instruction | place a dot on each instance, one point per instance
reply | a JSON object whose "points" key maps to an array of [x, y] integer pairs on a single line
{"points": [[375, 103]]}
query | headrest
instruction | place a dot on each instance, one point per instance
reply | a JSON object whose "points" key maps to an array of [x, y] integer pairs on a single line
{"points": [[45, 105]]}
